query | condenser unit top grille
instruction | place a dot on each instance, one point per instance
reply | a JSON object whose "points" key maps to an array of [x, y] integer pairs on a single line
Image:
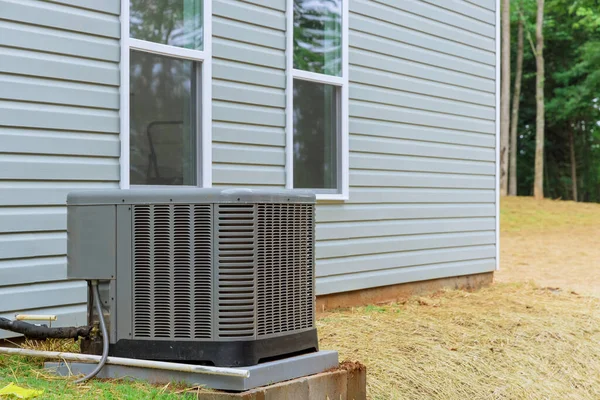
{"points": [[189, 195]]}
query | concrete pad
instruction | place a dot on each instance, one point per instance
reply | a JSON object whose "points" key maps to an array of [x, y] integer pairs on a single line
{"points": [[339, 384], [260, 375]]}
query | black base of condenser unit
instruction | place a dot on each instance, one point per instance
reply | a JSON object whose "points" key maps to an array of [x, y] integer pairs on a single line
{"points": [[241, 353]]}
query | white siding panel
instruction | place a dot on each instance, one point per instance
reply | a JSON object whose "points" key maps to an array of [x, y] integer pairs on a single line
{"points": [[29, 63], [278, 5], [63, 93], [29, 37], [244, 154], [249, 93], [45, 116], [61, 17], [109, 7], [390, 30], [245, 33], [443, 16], [33, 270], [378, 212], [369, 195], [35, 193], [417, 117], [356, 247], [42, 295], [346, 230], [247, 53], [368, 144], [403, 13], [424, 180], [386, 129], [467, 9], [55, 168], [247, 114], [38, 141], [28, 245], [59, 132], [382, 261], [386, 162], [416, 101], [250, 134], [251, 74], [255, 13], [33, 219], [248, 175], [420, 84], [369, 279], [441, 64]]}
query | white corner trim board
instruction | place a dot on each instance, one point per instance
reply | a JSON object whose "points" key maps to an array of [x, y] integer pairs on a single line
{"points": [[498, 58]]}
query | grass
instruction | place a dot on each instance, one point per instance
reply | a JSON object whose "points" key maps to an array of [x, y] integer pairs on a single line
{"points": [[29, 373], [524, 214], [553, 243], [510, 341]]}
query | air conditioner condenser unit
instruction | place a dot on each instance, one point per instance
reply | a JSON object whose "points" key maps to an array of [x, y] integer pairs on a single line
{"points": [[222, 277]]}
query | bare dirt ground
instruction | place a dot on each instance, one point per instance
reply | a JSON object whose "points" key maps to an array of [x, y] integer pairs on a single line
{"points": [[553, 243]]}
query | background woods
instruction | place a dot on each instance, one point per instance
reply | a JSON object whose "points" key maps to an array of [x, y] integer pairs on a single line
{"points": [[566, 98]]}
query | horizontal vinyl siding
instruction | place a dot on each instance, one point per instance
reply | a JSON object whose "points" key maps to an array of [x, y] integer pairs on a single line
{"points": [[422, 147], [249, 93], [59, 127]]}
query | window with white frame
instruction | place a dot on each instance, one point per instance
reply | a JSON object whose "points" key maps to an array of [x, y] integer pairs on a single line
{"points": [[165, 92], [317, 104]]}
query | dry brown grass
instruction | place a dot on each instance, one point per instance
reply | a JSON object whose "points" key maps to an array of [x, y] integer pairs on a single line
{"points": [[553, 243], [510, 341]]}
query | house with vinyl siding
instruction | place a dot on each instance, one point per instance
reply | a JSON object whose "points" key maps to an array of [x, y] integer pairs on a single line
{"points": [[387, 109]]}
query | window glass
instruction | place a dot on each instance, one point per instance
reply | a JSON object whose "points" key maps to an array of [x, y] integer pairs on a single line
{"points": [[163, 120], [172, 22], [318, 36], [316, 129]]}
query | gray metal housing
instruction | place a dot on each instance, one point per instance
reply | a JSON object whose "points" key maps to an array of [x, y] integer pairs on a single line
{"points": [[196, 264]]}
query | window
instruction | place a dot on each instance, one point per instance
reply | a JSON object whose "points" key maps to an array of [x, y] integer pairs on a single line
{"points": [[317, 97], [165, 93]]}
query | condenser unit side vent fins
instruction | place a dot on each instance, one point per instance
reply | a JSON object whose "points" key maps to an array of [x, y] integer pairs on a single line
{"points": [[172, 281], [284, 268], [236, 235]]}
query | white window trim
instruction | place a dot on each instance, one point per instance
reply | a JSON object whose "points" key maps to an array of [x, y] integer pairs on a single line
{"points": [[342, 82], [204, 56]]}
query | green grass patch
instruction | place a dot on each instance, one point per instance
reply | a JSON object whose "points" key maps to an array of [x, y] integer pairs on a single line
{"points": [[29, 373]]}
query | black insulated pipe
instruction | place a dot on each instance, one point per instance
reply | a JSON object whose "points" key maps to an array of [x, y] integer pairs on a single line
{"points": [[42, 332]]}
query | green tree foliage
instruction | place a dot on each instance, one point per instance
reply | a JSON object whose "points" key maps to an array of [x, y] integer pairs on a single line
{"points": [[572, 90]]}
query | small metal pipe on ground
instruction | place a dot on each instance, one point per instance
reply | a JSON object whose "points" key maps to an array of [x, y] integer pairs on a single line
{"points": [[130, 362]]}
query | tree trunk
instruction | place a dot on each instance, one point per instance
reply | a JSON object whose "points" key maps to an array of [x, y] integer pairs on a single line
{"points": [[514, 119], [505, 98], [573, 164], [538, 185]]}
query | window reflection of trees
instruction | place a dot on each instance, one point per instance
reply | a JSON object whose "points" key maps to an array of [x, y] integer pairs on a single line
{"points": [[173, 22], [317, 36]]}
